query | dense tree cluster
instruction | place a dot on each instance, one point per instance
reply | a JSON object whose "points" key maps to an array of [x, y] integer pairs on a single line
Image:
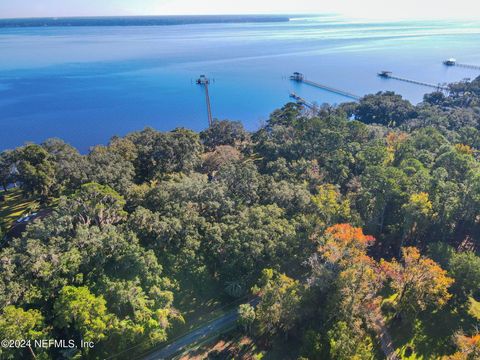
{"points": [[284, 211]]}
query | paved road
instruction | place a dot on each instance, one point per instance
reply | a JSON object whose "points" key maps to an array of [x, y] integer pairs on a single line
{"points": [[216, 326]]}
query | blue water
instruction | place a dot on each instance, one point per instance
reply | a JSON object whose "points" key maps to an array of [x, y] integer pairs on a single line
{"points": [[85, 84]]}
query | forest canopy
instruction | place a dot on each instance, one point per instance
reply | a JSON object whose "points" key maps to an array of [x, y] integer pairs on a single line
{"points": [[344, 222]]}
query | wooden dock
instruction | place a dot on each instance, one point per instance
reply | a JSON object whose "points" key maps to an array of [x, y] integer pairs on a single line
{"points": [[209, 107], [301, 101], [388, 75], [468, 66], [204, 81], [300, 78], [453, 62]]}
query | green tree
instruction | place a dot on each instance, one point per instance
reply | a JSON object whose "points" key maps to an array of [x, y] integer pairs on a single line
{"points": [[418, 217], [382, 196], [177, 151], [18, 324], [242, 181], [464, 267], [347, 343], [70, 166], [312, 346], [256, 237], [223, 132], [294, 198], [279, 308], [385, 108], [36, 171], [246, 317], [80, 312], [434, 98], [7, 168], [110, 167], [330, 207], [95, 204], [144, 163], [287, 115]]}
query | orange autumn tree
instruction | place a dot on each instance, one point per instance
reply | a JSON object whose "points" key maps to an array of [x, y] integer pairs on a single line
{"points": [[358, 287], [351, 281], [468, 347], [343, 243], [418, 281], [356, 277], [339, 248]]}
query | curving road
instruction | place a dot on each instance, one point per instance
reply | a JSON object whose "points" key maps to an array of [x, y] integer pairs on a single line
{"points": [[225, 322]]}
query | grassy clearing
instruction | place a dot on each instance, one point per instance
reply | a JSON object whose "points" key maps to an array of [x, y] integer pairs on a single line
{"points": [[474, 309], [14, 206], [200, 302]]}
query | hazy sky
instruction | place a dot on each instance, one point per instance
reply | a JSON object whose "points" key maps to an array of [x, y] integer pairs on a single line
{"points": [[354, 8]]}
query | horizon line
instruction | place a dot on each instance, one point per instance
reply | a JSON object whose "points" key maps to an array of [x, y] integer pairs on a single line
{"points": [[169, 15], [279, 14]]}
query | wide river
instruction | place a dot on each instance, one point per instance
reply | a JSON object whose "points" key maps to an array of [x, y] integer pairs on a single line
{"points": [[85, 84]]}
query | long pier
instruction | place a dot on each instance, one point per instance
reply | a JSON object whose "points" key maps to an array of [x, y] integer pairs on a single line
{"points": [[301, 100], [453, 62], [301, 78], [204, 81], [468, 66], [388, 75]]}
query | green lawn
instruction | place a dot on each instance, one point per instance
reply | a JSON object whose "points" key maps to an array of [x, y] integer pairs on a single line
{"points": [[14, 206]]}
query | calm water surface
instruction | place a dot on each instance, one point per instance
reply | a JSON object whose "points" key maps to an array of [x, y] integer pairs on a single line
{"points": [[85, 84]]}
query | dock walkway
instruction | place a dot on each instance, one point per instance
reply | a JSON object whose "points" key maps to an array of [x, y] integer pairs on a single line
{"points": [[453, 62], [298, 77], [301, 100], [204, 81], [388, 75]]}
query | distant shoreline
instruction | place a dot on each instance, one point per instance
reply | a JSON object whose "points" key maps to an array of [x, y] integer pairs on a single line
{"points": [[139, 20]]}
